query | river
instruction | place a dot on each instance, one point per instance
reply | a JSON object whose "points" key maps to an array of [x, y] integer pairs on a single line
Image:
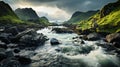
{"points": [[69, 54]]}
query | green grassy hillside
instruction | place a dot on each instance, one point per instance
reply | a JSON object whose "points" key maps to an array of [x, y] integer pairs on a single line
{"points": [[79, 16], [108, 19], [7, 15]]}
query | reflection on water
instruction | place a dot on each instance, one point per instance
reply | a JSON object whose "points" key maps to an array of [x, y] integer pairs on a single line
{"points": [[71, 55]]}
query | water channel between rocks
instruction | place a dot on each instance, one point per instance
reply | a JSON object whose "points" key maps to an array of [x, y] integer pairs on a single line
{"points": [[69, 54]]}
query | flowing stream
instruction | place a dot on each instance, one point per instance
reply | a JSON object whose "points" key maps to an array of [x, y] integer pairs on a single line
{"points": [[69, 54]]}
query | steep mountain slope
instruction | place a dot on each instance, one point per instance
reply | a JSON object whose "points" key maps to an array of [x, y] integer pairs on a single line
{"points": [[26, 14], [7, 14], [79, 16], [108, 19], [44, 20]]}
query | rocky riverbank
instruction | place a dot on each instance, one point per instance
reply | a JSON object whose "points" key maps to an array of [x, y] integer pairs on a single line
{"points": [[18, 48], [110, 42], [14, 41]]}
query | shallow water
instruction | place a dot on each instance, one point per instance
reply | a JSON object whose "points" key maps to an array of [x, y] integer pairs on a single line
{"points": [[72, 54]]}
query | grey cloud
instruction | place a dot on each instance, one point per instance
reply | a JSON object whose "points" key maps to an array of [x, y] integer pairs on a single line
{"points": [[41, 0], [68, 5]]}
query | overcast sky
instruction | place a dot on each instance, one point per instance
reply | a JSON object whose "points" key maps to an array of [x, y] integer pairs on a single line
{"points": [[58, 10]]}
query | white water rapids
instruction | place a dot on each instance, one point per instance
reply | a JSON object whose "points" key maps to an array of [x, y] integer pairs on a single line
{"points": [[71, 55]]}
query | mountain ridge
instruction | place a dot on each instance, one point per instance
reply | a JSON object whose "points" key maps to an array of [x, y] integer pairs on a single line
{"points": [[26, 14], [107, 19], [79, 16]]}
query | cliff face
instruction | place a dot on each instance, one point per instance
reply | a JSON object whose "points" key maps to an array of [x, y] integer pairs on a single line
{"points": [[26, 14], [108, 19], [79, 16]]}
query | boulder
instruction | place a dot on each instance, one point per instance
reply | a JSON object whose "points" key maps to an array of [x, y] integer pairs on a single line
{"points": [[116, 44], [13, 30], [11, 45], [58, 49], [10, 63], [62, 30], [16, 50], [28, 32], [114, 37], [84, 37], [85, 32], [5, 37], [9, 53], [30, 38], [93, 36], [54, 41], [3, 45], [24, 59], [82, 42], [2, 29], [2, 54], [33, 40]]}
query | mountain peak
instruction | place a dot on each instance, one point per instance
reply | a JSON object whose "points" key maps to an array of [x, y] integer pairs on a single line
{"points": [[6, 10], [26, 14], [79, 16]]}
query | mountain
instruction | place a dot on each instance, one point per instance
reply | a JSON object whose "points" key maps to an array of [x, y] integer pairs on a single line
{"points": [[26, 14], [79, 16], [108, 19], [44, 20], [7, 14]]}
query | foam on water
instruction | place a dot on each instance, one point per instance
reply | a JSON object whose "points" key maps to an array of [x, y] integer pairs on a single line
{"points": [[71, 55]]}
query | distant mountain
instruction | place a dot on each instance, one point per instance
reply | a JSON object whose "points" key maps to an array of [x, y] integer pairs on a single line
{"points": [[43, 20], [7, 14], [79, 16], [26, 14], [108, 19]]}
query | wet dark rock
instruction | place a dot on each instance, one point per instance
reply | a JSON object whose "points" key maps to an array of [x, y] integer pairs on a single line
{"points": [[2, 29], [13, 30], [10, 63], [24, 60], [9, 53], [30, 38], [2, 54], [84, 37], [4, 37], [58, 49], [93, 36], [114, 37], [33, 40], [85, 32], [3, 45], [62, 30], [54, 41], [16, 50], [28, 32], [82, 42], [116, 44], [11, 45], [103, 34]]}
